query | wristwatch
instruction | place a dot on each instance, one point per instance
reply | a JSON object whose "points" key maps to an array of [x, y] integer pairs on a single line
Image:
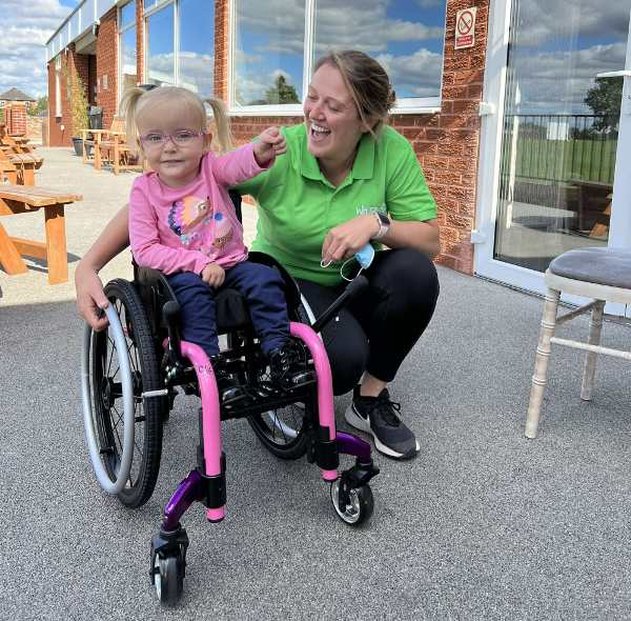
{"points": [[384, 224]]}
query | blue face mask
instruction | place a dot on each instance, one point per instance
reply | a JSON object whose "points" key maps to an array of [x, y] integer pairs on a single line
{"points": [[364, 256]]}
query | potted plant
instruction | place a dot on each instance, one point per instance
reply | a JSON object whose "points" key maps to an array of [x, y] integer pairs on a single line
{"points": [[78, 109]]}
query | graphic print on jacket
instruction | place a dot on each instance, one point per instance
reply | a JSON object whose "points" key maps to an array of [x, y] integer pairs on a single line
{"points": [[193, 221]]}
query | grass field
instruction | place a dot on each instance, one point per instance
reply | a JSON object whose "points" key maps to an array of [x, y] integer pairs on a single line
{"points": [[562, 160]]}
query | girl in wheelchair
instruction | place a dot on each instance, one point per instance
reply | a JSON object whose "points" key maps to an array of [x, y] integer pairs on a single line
{"points": [[183, 223]]}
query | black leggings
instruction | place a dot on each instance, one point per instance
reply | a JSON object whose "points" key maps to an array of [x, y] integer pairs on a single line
{"points": [[379, 328]]}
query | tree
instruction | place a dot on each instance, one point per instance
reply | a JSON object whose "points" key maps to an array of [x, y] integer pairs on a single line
{"points": [[78, 101], [281, 92], [40, 108], [604, 99]]}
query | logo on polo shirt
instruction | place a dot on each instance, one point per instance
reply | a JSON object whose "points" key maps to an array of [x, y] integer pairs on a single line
{"points": [[364, 210]]}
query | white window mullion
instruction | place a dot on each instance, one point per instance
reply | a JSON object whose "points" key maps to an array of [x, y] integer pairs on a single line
{"points": [[310, 8], [176, 42]]}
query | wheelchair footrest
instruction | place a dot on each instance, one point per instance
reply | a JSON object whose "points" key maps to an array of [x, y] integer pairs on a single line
{"points": [[265, 397]]}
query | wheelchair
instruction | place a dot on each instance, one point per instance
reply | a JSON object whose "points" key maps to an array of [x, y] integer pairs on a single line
{"points": [[132, 372]]}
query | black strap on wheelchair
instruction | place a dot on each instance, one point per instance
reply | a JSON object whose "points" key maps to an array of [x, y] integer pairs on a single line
{"points": [[323, 451]]}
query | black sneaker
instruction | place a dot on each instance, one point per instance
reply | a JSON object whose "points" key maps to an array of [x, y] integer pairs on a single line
{"points": [[229, 389], [380, 417], [288, 367]]}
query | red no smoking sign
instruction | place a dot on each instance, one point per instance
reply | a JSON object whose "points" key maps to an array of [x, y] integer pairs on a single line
{"points": [[465, 28]]}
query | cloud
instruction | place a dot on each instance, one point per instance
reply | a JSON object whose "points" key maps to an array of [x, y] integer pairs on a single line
{"points": [[415, 75], [24, 29], [561, 47], [359, 24], [554, 81]]}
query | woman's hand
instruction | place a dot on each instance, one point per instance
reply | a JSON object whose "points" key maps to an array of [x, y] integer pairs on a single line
{"points": [[268, 145], [91, 299], [214, 275], [344, 240]]}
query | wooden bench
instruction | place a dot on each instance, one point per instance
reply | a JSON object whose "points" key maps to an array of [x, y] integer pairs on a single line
{"points": [[20, 167], [109, 146], [16, 199]]}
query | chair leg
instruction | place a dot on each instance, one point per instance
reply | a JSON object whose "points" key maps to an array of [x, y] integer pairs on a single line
{"points": [[589, 369], [540, 376]]}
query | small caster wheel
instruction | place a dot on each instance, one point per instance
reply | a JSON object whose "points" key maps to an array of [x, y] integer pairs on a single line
{"points": [[354, 505], [168, 578]]}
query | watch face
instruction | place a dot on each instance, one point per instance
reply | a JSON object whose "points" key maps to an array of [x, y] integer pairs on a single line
{"points": [[384, 218]]}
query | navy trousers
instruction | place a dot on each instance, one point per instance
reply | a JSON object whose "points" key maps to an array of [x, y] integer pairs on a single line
{"points": [[260, 285]]}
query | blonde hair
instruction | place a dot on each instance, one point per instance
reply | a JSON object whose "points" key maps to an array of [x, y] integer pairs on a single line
{"points": [[367, 82], [136, 99]]}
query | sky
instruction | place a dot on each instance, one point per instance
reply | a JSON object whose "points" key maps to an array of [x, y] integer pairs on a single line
{"points": [[406, 36], [551, 79], [25, 27]]}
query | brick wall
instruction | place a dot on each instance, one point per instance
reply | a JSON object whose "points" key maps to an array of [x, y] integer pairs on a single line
{"points": [[140, 48], [15, 118], [454, 164], [222, 30], [107, 66], [60, 130]]}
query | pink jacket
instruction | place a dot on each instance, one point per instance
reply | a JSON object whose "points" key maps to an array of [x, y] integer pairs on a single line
{"points": [[185, 229]]}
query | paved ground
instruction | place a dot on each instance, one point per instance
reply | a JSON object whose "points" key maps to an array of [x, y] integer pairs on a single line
{"points": [[484, 524]]}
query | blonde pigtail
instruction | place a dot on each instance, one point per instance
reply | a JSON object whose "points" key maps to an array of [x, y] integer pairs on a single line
{"points": [[222, 124], [129, 111]]}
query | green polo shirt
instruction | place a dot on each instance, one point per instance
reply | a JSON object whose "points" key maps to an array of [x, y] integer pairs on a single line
{"points": [[298, 205]]}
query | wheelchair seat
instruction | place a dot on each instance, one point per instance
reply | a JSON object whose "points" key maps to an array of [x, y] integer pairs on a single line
{"points": [[231, 308]]}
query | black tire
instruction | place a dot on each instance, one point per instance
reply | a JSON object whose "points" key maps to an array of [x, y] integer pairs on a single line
{"points": [[106, 396], [359, 507], [169, 579], [283, 431]]}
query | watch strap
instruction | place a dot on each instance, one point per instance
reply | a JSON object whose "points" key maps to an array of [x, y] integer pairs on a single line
{"points": [[384, 225]]}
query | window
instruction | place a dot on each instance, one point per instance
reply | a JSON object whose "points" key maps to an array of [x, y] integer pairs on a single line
{"points": [[275, 44], [127, 42], [196, 48], [160, 57], [179, 44]]}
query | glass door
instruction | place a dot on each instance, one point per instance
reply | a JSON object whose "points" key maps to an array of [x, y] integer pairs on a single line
{"points": [[555, 146]]}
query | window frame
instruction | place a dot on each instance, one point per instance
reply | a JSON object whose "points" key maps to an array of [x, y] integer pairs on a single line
{"points": [[148, 12], [121, 30], [409, 105], [158, 6], [58, 103]]}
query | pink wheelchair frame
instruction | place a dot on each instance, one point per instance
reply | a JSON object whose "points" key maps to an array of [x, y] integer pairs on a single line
{"points": [[351, 495]]}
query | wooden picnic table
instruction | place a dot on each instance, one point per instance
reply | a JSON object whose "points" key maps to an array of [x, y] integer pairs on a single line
{"points": [[594, 206], [17, 199]]}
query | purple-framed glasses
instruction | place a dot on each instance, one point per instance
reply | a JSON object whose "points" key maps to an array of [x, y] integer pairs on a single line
{"points": [[182, 138]]}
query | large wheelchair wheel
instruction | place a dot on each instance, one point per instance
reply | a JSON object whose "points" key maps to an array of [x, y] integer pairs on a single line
{"points": [[283, 431], [114, 364]]}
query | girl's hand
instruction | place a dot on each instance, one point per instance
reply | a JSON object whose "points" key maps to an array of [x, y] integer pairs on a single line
{"points": [[268, 145], [214, 275], [344, 240], [91, 299]]}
